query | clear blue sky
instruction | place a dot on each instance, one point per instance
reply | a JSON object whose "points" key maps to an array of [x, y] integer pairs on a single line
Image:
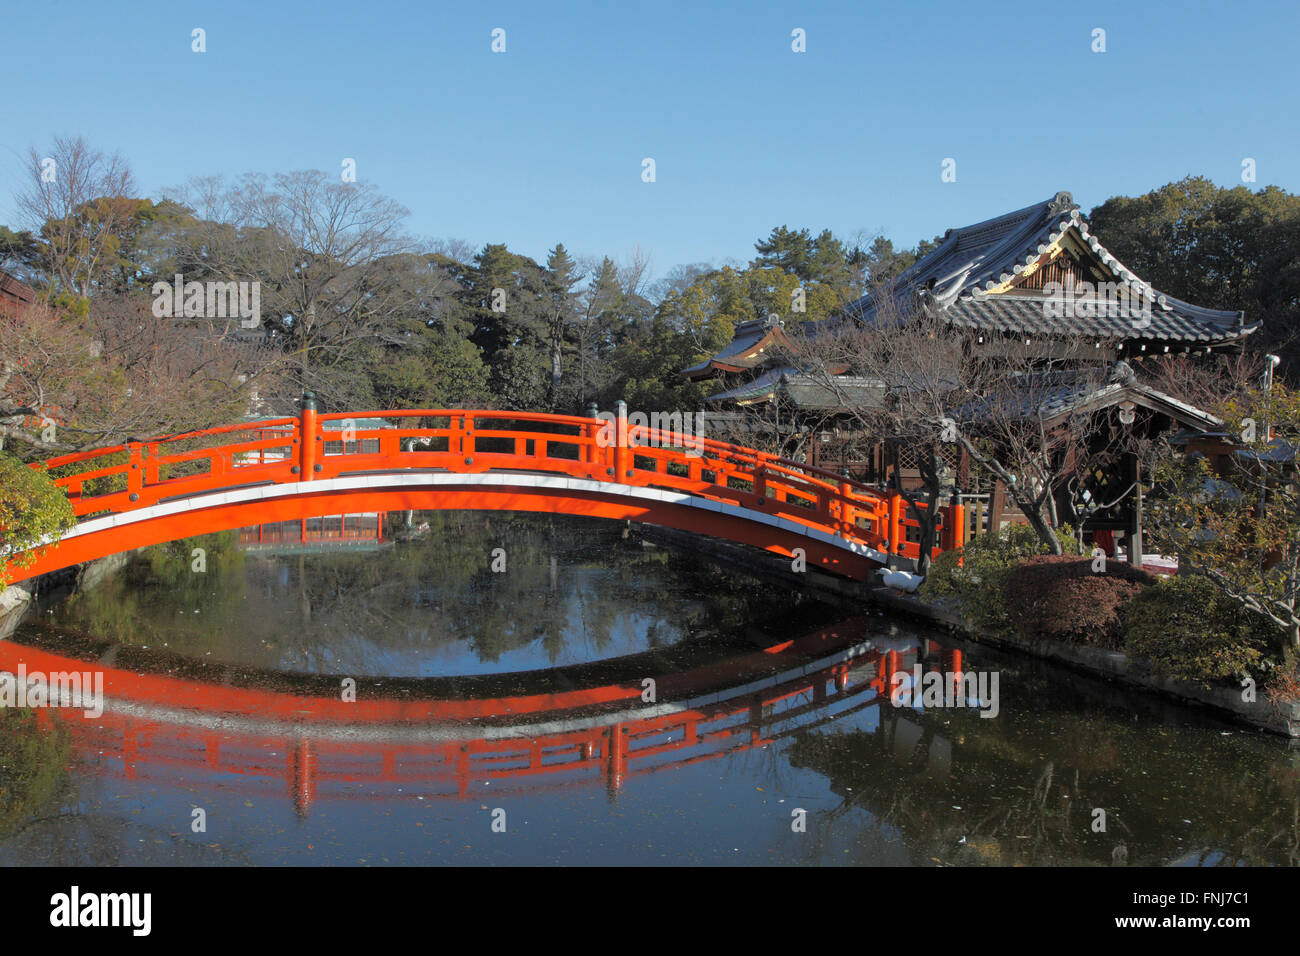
{"points": [[544, 143]]}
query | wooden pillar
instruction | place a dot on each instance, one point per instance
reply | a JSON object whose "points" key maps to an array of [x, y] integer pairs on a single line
{"points": [[307, 435], [957, 518], [996, 502], [896, 536]]}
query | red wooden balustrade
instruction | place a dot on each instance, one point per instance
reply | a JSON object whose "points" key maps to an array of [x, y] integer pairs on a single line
{"points": [[312, 447]]}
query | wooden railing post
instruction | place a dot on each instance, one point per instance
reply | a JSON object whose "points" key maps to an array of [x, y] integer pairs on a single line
{"points": [[134, 471], [308, 435], [896, 537], [455, 449], [590, 434], [622, 455], [957, 515], [151, 475]]}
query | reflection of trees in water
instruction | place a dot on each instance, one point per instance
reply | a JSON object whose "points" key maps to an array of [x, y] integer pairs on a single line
{"points": [[441, 590], [42, 816], [33, 767], [158, 596], [1027, 784], [76, 837], [571, 587]]}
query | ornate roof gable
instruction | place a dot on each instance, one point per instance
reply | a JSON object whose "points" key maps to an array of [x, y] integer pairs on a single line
{"points": [[1039, 271]]}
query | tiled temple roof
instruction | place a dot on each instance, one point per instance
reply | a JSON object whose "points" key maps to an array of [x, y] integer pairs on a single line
{"points": [[15, 290], [972, 279], [966, 279], [803, 390], [1050, 396], [746, 349]]}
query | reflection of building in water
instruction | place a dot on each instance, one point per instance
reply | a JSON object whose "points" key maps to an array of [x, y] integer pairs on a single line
{"points": [[358, 532]]}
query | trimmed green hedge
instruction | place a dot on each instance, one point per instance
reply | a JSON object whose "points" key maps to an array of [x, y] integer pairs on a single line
{"points": [[987, 560], [1189, 630]]}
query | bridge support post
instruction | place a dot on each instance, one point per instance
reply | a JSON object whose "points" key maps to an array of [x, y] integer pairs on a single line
{"points": [[848, 514], [307, 437], [896, 537], [760, 480], [591, 433]]}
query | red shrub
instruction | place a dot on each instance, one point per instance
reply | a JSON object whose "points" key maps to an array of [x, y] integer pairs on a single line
{"points": [[1061, 597]]}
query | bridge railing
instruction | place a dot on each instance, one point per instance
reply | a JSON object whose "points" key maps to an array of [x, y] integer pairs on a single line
{"points": [[314, 447]]}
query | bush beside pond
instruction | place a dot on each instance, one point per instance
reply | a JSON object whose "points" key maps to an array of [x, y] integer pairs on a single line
{"points": [[1189, 630], [1183, 626], [1061, 597], [979, 583]]}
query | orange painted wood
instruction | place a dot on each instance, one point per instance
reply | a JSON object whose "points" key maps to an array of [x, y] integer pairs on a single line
{"points": [[125, 478]]}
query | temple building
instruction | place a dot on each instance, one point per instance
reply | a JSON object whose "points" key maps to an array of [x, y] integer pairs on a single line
{"points": [[15, 295], [1032, 279]]}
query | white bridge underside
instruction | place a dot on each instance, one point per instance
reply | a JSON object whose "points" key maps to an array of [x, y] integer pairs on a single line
{"points": [[406, 480]]}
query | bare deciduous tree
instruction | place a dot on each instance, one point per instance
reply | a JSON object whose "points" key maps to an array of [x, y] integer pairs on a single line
{"points": [[78, 200], [1019, 409], [322, 251], [71, 383]]}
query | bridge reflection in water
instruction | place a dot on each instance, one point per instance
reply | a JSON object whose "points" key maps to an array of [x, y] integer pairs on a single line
{"points": [[403, 737]]}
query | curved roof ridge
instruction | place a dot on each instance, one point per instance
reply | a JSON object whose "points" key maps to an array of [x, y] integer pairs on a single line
{"points": [[953, 268]]}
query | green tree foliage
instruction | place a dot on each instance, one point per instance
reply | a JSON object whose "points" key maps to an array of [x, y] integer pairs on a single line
{"points": [[883, 263], [1240, 530], [440, 369], [1189, 630], [561, 278], [32, 508], [21, 255], [605, 310], [519, 379], [1222, 248], [650, 358], [426, 359], [33, 762], [820, 259], [514, 316], [507, 303], [82, 213]]}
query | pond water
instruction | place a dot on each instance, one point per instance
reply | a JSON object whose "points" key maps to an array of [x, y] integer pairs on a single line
{"points": [[539, 690]]}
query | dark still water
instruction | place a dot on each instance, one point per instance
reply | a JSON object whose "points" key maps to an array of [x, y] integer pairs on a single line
{"points": [[527, 689]]}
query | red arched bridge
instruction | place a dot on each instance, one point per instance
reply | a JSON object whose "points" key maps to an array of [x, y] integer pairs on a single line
{"points": [[142, 493]]}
